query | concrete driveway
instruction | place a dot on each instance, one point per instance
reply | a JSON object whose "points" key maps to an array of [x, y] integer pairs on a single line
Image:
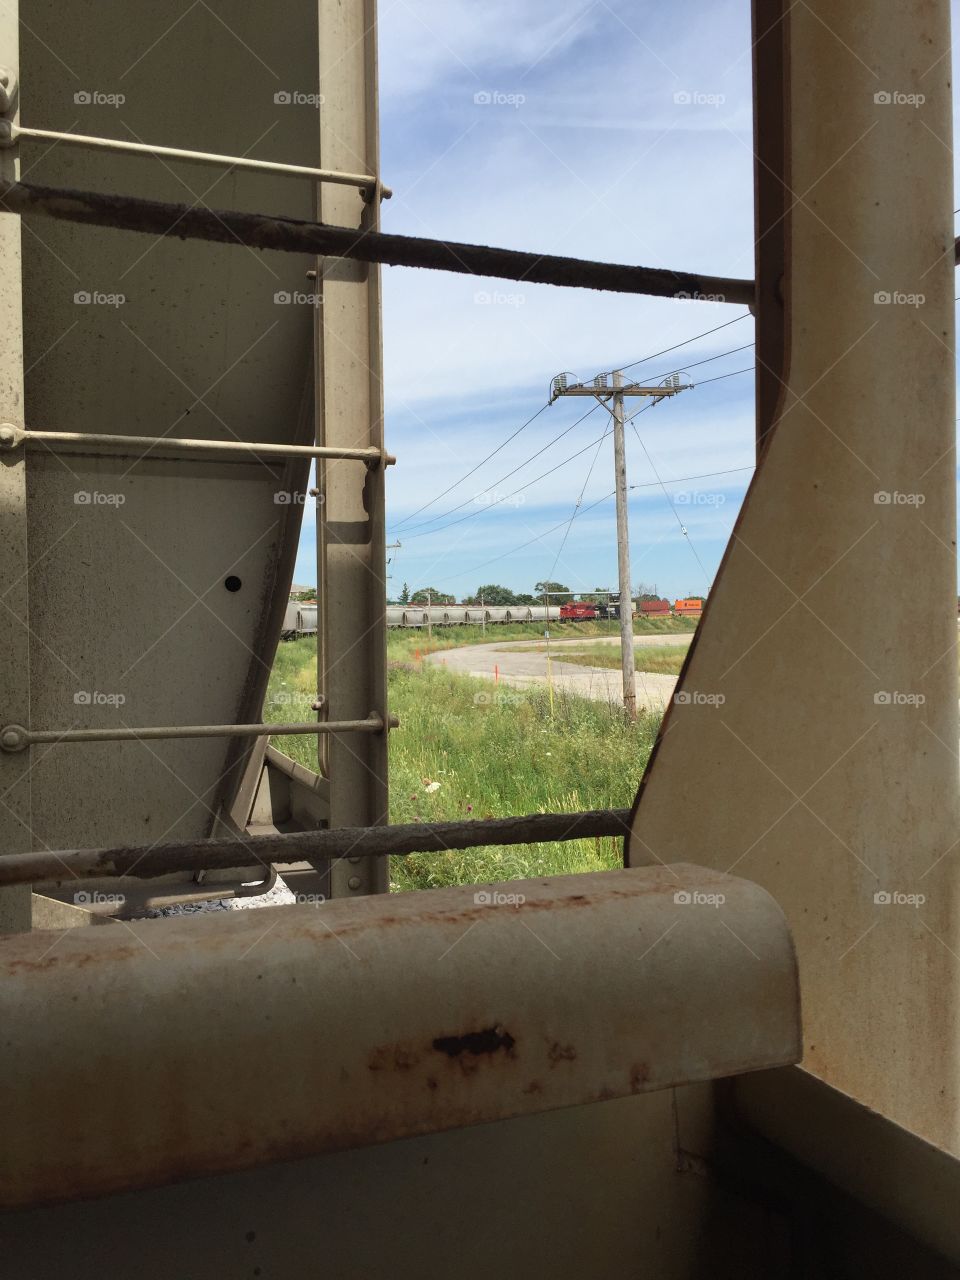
{"points": [[522, 663]]}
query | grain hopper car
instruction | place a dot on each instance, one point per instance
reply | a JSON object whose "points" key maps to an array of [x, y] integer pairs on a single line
{"points": [[735, 1056]]}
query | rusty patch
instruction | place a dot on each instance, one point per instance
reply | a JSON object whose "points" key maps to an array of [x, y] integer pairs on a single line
{"points": [[561, 1053], [392, 1058], [475, 1042], [639, 1076]]}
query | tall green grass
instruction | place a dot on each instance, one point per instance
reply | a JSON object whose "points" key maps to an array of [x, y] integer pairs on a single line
{"points": [[494, 752]]}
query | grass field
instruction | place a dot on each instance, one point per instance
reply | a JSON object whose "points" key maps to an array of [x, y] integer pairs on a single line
{"points": [[402, 644], [664, 660], [493, 752]]}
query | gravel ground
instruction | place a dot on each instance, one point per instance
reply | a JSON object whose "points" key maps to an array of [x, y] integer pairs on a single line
{"points": [[278, 896]]}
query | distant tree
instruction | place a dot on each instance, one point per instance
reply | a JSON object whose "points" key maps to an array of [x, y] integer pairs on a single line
{"points": [[430, 595], [523, 598], [493, 593], [305, 595], [599, 595], [551, 588], [405, 594]]}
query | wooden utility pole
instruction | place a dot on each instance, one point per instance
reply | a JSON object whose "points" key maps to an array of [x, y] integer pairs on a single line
{"points": [[627, 664], [611, 397]]}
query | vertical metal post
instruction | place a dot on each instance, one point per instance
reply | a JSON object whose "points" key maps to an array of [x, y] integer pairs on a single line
{"points": [[15, 909], [351, 534], [429, 618], [623, 553]]}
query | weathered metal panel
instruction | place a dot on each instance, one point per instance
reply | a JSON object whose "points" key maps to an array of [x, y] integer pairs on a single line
{"points": [[131, 336], [376, 1019], [15, 816], [812, 744]]}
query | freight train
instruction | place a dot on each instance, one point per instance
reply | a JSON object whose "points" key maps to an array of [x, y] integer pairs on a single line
{"points": [[300, 618]]}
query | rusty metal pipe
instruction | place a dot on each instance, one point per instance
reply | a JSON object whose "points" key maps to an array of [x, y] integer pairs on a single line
{"points": [[137, 1056], [146, 862], [291, 235]]}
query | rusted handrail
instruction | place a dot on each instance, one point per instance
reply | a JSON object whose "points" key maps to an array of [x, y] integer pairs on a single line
{"points": [[146, 862], [292, 235]]}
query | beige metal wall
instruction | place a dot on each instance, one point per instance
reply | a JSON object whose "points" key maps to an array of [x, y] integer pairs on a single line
{"points": [[127, 594], [816, 749]]}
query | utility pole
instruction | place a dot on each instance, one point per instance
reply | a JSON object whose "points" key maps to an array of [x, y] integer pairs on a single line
{"points": [[429, 617], [627, 664], [611, 396]]}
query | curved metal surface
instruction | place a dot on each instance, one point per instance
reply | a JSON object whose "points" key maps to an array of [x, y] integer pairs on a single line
{"points": [[812, 741], [378, 1019]]}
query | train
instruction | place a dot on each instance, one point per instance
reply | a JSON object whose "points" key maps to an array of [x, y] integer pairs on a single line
{"points": [[300, 617]]}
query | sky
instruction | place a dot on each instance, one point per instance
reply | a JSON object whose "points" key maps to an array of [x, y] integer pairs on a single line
{"points": [[605, 129]]}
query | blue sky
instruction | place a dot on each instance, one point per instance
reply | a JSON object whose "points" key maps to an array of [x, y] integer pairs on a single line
{"points": [[607, 129]]}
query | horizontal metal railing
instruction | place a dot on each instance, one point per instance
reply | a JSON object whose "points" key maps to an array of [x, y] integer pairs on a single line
{"points": [[14, 737], [147, 862], [10, 135], [12, 437], [293, 235]]}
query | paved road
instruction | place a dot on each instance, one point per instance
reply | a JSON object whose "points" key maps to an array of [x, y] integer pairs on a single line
{"points": [[529, 667]]}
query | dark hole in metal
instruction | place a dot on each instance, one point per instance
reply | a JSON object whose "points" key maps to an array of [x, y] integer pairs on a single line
{"points": [[232, 583]]}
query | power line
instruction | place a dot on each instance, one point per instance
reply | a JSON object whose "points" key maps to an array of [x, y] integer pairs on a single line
{"points": [[513, 435], [683, 528], [709, 475], [471, 515], [720, 376], [459, 482], [577, 505], [526, 463], [666, 351]]}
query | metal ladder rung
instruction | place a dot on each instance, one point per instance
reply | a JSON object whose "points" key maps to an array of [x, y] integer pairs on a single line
{"points": [[12, 437], [10, 135], [14, 737]]}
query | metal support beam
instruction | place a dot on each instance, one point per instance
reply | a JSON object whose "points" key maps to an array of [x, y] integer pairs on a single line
{"points": [[351, 528]]}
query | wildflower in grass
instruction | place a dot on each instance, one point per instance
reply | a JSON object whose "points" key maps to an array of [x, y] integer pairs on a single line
{"points": [[469, 808], [432, 786]]}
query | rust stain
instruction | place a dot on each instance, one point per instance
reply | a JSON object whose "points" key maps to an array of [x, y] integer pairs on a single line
{"points": [[476, 1043], [392, 1058], [558, 1053], [639, 1076], [534, 1087]]}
